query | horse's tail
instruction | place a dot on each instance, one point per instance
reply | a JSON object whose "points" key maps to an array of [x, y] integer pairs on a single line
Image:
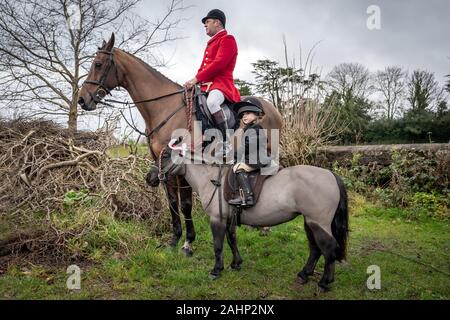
{"points": [[339, 226]]}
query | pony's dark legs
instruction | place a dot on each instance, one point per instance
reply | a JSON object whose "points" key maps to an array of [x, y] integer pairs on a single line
{"points": [[327, 245], [172, 197], [329, 239], [186, 208], [314, 255], [174, 186], [328, 274], [232, 242], [218, 232]]}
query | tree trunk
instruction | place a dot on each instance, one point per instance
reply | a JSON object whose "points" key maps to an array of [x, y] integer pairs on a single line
{"points": [[73, 116], [73, 111]]}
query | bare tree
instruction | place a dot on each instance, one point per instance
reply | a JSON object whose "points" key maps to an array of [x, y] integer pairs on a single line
{"points": [[447, 86], [424, 92], [47, 46], [391, 83], [350, 80], [350, 85]]}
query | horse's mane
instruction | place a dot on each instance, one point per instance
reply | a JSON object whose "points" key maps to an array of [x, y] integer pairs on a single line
{"points": [[150, 68]]}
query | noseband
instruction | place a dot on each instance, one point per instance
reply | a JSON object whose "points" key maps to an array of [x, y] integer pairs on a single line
{"points": [[102, 90]]}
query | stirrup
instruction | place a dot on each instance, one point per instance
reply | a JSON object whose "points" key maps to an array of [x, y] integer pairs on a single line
{"points": [[237, 202], [250, 203]]}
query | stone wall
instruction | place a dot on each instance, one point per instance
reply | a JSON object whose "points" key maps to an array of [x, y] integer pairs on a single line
{"points": [[381, 154]]}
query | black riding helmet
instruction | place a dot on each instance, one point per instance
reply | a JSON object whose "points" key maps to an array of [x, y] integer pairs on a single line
{"points": [[249, 104], [216, 14]]}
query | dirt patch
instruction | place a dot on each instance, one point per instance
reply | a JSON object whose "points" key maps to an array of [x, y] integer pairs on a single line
{"points": [[35, 247], [371, 247]]}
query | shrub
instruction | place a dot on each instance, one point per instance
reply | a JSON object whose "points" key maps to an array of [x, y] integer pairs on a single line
{"points": [[417, 184]]}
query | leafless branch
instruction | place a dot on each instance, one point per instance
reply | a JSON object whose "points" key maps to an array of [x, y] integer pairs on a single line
{"points": [[48, 45]]}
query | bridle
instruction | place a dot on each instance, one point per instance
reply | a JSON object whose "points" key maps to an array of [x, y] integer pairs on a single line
{"points": [[102, 90]]}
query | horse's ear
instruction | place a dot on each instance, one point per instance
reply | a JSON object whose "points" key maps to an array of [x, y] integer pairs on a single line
{"points": [[110, 43]]}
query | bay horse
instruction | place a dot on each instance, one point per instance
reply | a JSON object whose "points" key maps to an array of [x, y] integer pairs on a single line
{"points": [[316, 193], [113, 68]]}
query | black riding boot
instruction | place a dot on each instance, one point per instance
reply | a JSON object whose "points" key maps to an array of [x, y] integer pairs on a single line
{"points": [[244, 184], [221, 124]]}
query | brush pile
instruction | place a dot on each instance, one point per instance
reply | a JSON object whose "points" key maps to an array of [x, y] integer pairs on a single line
{"points": [[58, 185]]}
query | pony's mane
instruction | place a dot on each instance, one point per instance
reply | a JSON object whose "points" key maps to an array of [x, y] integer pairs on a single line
{"points": [[150, 68]]}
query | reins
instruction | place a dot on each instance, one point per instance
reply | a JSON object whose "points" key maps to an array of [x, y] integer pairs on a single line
{"points": [[146, 100], [218, 186], [162, 123]]}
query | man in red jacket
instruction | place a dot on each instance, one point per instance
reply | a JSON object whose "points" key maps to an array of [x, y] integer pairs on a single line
{"points": [[216, 71]]}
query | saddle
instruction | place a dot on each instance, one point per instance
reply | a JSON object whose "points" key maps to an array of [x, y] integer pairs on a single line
{"points": [[203, 114], [231, 190], [256, 179]]}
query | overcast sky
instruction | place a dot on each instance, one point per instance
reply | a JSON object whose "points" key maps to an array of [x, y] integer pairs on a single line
{"points": [[413, 34]]}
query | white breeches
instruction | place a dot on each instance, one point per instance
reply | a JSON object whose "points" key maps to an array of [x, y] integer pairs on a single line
{"points": [[215, 100]]}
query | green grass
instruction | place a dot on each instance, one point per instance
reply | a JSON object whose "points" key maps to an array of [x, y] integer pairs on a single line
{"points": [[122, 151], [413, 257]]}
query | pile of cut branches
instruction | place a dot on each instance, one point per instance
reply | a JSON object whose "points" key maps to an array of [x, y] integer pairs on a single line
{"points": [[50, 177]]}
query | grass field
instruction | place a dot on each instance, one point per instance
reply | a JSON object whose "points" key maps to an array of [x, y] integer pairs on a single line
{"points": [[413, 257]]}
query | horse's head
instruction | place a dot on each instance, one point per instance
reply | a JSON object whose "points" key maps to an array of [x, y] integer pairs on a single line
{"points": [[102, 78], [171, 160]]}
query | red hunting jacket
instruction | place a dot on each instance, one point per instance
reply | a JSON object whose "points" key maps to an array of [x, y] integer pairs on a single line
{"points": [[218, 64]]}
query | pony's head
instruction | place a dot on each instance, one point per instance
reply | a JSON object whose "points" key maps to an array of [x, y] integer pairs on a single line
{"points": [[171, 160], [102, 78]]}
